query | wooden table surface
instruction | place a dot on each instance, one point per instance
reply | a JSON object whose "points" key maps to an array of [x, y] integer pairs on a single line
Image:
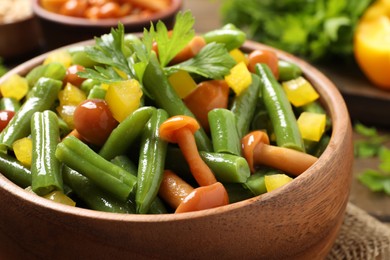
{"points": [[365, 103]]}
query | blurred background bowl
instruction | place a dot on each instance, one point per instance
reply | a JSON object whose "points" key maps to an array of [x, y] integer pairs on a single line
{"points": [[59, 30], [300, 220], [20, 34]]}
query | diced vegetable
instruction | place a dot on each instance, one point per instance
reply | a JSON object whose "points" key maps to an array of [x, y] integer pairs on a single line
{"points": [[14, 87], [123, 98], [299, 91], [312, 125], [60, 197], [60, 56], [239, 78], [275, 181], [239, 56], [182, 82], [23, 150]]}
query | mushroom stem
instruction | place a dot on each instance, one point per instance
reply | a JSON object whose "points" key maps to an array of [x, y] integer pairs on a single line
{"points": [[258, 151], [180, 129], [199, 169], [182, 197]]}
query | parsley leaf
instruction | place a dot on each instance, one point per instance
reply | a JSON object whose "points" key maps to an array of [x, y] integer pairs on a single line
{"points": [[108, 50], [213, 61], [170, 45], [371, 143], [314, 29], [377, 180]]}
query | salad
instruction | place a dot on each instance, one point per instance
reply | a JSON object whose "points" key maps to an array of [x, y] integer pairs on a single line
{"points": [[168, 122]]}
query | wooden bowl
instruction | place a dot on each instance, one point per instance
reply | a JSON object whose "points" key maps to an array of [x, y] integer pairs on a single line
{"points": [[20, 38], [60, 30], [300, 220]]}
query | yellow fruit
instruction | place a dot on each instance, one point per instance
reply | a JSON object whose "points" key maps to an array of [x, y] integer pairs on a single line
{"points": [[372, 44]]}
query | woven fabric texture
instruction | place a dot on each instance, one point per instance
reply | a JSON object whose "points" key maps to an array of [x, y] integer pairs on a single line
{"points": [[361, 237]]}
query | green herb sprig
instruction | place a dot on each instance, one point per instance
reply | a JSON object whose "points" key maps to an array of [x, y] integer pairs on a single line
{"points": [[117, 60], [373, 145]]}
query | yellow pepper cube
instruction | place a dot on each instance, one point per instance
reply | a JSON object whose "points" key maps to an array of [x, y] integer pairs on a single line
{"points": [[66, 113], [239, 56], [311, 125], [182, 82], [60, 197], [275, 181], [14, 87], [60, 56], [239, 78], [299, 91], [71, 95], [123, 98], [23, 150]]}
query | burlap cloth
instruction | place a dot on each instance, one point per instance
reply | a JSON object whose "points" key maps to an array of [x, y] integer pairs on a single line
{"points": [[361, 237]]}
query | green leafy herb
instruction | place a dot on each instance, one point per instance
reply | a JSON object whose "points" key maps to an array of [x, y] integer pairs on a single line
{"points": [[370, 144], [213, 61], [373, 145], [378, 180], [170, 45], [315, 29], [108, 51]]}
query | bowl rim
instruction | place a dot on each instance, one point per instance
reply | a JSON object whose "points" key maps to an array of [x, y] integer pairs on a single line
{"points": [[131, 20], [328, 91]]}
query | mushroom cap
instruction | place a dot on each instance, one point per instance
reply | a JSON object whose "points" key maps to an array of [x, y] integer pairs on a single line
{"points": [[173, 124], [249, 143], [204, 197]]}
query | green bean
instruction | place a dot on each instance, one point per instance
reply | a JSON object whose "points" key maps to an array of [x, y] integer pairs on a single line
{"points": [[237, 192], [229, 35], [92, 195], [88, 84], [320, 146], [124, 162], [80, 57], [288, 70], [108, 176], [256, 184], [157, 206], [97, 92], [52, 70], [244, 106], [280, 111], [14, 170], [44, 94], [9, 103], [227, 168], [45, 168], [151, 162], [223, 131], [158, 86], [64, 127], [124, 135]]}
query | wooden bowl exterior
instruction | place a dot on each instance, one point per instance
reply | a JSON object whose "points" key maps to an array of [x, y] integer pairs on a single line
{"points": [[60, 30], [20, 38], [298, 221]]}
